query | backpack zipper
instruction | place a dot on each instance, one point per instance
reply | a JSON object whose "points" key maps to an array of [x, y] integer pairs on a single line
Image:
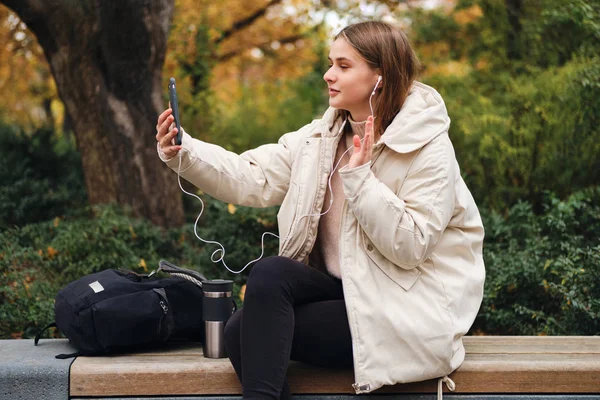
{"points": [[164, 307]]}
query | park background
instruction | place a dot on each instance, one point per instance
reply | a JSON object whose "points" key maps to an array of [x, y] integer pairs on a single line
{"points": [[83, 190]]}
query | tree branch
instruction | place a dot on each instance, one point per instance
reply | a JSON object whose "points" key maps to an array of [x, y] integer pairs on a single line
{"points": [[231, 54], [241, 24]]}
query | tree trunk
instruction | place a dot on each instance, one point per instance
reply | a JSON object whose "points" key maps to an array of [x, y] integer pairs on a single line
{"points": [[106, 58], [514, 10]]}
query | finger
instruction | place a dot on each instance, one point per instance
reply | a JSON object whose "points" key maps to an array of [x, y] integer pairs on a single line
{"points": [[364, 151], [171, 151], [168, 138], [164, 115], [357, 145], [164, 127], [369, 135]]}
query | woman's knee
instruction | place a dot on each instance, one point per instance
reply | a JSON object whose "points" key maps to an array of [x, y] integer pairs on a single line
{"points": [[232, 331], [269, 274]]}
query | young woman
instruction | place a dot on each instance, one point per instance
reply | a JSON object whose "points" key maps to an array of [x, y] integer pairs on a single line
{"points": [[380, 263]]}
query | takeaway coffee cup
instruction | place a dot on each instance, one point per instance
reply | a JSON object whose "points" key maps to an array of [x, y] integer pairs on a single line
{"points": [[217, 307]]}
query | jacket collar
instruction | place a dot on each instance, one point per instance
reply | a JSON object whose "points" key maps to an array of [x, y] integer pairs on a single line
{"points": [[422, 118]]}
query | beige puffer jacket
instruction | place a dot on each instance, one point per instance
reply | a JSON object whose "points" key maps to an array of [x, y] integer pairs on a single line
{"points": [[411, 235]]}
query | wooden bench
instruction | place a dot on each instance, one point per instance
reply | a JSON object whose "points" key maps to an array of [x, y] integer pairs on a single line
{"points": [[494, 364]]}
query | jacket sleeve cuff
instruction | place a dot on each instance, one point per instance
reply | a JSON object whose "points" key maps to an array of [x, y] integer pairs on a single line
{"points": [[186, 150], [161, 154], [353, 179]]}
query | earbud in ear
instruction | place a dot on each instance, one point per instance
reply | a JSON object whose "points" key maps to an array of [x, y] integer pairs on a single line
{"points": [[379, 79]]}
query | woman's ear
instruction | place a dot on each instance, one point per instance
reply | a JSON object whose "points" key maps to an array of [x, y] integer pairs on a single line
{"points": [[378, 84]]}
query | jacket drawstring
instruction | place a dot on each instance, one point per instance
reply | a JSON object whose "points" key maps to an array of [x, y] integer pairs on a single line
{"points": [[449, 383]]}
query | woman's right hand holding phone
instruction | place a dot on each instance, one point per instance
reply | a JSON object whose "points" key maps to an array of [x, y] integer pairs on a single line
{"points": [[166, 132]]}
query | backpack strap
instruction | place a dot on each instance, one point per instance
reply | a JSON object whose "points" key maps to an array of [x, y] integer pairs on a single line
{"points": [[172, 269], [39, 334], [59, 356], [65, 356]]}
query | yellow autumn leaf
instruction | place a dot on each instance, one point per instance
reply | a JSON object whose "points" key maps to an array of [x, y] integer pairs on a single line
{"points": [[51, 252], [231, 208], [143, 264], [133, 234], [242, 292], [547, 264], [56, 221], [468, 15]]}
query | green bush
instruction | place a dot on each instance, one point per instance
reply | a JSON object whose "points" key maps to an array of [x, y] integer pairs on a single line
{"points": [[524, 102], [41, 175], [543, 271], [38, 259]]}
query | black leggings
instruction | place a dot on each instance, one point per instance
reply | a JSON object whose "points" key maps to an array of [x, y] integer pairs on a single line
{"points": [[291, 311]]}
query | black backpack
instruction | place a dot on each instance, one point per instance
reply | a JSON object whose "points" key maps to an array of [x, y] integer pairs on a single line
{"points": [[115, 311]]}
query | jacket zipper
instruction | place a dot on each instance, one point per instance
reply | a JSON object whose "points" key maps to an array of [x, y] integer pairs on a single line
{"points": [[358, 387], [361, 388], [312, 209]]}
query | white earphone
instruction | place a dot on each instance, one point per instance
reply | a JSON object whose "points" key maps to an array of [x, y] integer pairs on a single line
{"points": [[219, 254], [379, 78]]}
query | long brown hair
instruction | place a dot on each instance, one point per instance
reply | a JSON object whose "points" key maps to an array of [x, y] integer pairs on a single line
{"points": [[385, 47]]}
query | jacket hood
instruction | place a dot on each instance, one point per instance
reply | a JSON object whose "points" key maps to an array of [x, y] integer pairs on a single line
{"points": [[422, 118]]}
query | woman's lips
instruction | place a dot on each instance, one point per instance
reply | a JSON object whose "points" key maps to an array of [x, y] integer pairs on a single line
{"points": [[333, 92]]}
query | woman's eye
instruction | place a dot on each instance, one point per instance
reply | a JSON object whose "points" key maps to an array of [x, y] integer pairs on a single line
{"points": [[343, 67]]}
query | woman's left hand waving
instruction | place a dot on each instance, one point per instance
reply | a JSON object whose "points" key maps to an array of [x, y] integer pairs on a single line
{"points": [[363, 152]]}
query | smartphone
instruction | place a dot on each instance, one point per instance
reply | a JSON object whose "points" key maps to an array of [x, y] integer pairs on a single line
{"points": [[175, 108]]}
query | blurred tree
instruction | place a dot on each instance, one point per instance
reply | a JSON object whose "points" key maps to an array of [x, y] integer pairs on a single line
{"points": [[106, 59]]}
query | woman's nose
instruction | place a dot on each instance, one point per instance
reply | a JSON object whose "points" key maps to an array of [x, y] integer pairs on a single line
{"points": [[328, 76]]}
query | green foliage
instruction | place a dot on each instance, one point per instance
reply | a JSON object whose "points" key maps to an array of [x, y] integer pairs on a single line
{"points": [[41, 175], [543, 271], [537, 133], [269, 110], [526, 108], [37, 260]]}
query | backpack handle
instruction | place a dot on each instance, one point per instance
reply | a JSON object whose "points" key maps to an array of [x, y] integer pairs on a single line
{"points": [[39, 334]]}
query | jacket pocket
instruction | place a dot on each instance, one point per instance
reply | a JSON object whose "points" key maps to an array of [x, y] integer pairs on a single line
{"points": [[405, 278], [133, 319]]}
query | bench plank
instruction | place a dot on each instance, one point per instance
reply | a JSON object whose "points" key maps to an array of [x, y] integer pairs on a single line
{"points": [[532, 344], [492, 365]]}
